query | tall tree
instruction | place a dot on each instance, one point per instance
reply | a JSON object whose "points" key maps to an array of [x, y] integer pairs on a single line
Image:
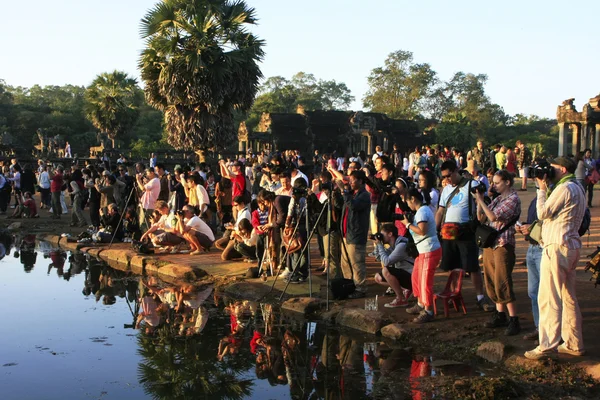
{"points": [[401, 87], [200, 64], [112, 102]]}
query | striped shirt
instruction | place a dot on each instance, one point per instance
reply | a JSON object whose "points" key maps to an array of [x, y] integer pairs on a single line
{"points": [[562, 214]]}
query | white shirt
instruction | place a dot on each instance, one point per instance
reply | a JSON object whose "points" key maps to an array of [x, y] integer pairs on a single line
{"points": [[299, 174], [203, 199], [44, 180], [245, 213], [198, 225]]}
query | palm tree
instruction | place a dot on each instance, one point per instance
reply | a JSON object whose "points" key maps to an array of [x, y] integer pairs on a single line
{"points": [[112, 102], [200, 65]]}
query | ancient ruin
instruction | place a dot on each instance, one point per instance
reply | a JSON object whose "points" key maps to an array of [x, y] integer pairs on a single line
{"points": [[343, 131], [584, 127]]}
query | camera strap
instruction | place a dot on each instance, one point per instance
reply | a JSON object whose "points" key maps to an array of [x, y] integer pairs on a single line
{"points": [[454, 193]]}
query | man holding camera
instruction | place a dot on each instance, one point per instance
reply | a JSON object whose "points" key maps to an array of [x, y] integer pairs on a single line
{"points": [[454, 219], [355, 229], [194, 230], [561, 208], [396, 265], [150, 190]]}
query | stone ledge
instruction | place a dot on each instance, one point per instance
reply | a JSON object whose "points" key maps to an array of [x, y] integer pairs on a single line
{"points": [[359, 319]]}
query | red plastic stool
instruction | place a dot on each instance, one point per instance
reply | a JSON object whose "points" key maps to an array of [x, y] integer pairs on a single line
{"points": [[452, 291]]}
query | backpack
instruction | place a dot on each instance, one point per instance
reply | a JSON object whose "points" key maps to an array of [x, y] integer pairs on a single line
{"points": [[585, 222]]}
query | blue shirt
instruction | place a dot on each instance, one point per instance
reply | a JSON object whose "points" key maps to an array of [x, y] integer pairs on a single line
{"points": [[428, 242]]}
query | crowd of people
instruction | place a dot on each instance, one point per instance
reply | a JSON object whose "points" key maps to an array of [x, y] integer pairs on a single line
{"points": [[422, 210]]}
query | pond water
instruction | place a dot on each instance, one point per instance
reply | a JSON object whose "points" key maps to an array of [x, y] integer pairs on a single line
{"points": [[69, 332]]}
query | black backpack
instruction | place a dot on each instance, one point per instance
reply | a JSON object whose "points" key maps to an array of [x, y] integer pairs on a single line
{"points": [[585, 223], [342, 288]]}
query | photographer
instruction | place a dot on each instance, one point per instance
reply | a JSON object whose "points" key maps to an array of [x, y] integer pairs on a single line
{"points": [[396, 265], [388, 194], [194, 230], [270, 179], [355, 229], [499, 260], [454, 218], [162, 232], [561, 208], [296, 216], [227, 242], [424, 233], [150, 190]]}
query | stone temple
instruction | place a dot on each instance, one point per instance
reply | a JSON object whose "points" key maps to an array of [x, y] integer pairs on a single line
{"points": [[346, 132], [583, 127]]}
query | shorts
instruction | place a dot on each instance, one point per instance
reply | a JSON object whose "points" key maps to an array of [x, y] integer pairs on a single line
{"points": [[524, 172], [403, 276], [167, 239], [462, 253]]}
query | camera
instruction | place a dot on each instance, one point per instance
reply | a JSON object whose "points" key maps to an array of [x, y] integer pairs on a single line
{"points": [[378, 236], [180, 212], [478, 189], [543, 169], [401, 217], [326, 186], [299, 192]]}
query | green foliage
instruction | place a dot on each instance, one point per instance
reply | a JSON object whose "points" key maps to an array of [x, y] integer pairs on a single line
{"points": [[280, 95], [401, 88], [112, 102], [200, 64]]}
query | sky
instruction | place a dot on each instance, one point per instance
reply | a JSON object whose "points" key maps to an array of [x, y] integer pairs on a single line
{"points": [[536, 53]]}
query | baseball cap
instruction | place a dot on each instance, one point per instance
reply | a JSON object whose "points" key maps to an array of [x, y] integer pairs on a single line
{"points": [[566, 162]]}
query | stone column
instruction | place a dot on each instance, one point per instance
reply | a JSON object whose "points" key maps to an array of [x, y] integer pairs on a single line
{"points": [[576, 138], [596, 136], [562, 139], [242, 146]]}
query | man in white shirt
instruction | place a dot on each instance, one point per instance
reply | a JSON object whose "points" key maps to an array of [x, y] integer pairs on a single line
{"points": [[286, 185], [227, 242], [151, 191], [195, 231], [295, 173], [378, 153]]}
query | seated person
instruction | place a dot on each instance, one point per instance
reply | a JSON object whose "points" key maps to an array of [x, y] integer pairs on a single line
{"points": [[396, 265], [227, 242], [131, 224], [27, 209], [245, 240], [162, 232], [110, 226], [194, 230]]}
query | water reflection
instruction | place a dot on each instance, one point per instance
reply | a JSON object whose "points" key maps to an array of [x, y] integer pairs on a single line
{"points": [[193, 343]]}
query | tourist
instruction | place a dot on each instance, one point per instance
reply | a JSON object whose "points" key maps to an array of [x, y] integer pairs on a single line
{"points": [[295, 174], [150, 191], [523, 162], [511, 161], [90, 176], [285, 179], [561, 207], [581, 170], [68, 150], [246, 241], [479, 155], [44, 185], [15, 178], [454, 218], [111, 228], [227, 242], [238, 180], [164, 182], [106, 188], [5, 190], [260, 218], [77, 217], [56, 183], [195, 231], [501, 158], [355, 229], [153, 160], [177, 187], [475, 172], [223, 190], [591, 175], [499, 259], [28, 209], [296, 221], [424, 233], [396, 265], [163, 233], [533, 260], [431, 195]]}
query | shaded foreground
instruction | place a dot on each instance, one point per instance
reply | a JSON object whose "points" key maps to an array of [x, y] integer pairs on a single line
{"points": [[71, 333]]}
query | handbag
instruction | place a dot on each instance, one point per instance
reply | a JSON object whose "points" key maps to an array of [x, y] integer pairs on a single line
{"points": [[535, 231], [486, 236], [290, 241]]}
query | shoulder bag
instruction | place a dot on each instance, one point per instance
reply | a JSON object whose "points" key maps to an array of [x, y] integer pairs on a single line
{"points": [[485, 236]]}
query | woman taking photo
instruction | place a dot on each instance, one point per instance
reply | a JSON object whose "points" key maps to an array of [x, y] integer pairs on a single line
{"points": [[425, 236], [499, 260], [431, 196]]}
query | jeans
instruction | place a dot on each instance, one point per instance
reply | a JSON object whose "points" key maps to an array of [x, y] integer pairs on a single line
{"points": [[77, 211], [533, 260], [353, 264]]}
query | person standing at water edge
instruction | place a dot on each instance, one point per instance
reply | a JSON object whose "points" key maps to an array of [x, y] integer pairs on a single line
{"points": [[561, 207]]}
